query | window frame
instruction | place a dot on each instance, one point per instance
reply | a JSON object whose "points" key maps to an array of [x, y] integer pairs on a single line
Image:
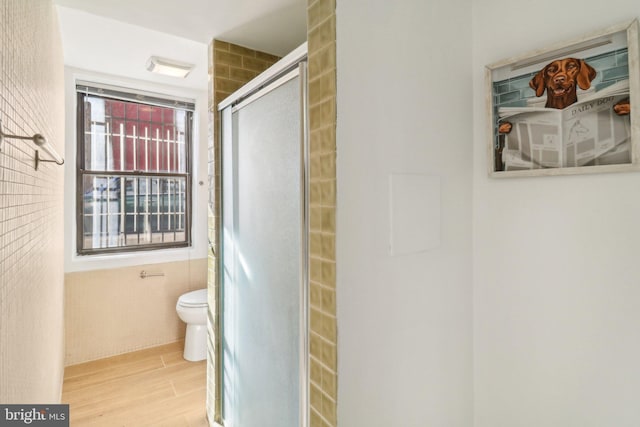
{"points": [[131, 95]]}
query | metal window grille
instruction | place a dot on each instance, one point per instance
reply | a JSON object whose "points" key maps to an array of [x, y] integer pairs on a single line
{"points": [[133, 173]]}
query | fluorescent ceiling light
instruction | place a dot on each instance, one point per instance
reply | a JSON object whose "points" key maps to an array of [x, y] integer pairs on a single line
{"points": [[169, 67]]}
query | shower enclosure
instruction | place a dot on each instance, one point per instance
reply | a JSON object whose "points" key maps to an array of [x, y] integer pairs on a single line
{"points": [[263, 323]]}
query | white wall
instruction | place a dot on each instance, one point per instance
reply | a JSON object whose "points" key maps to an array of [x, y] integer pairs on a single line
{"points": [[404, 322], [112, 47], [102, 50], [556, 267], [74, 262]]}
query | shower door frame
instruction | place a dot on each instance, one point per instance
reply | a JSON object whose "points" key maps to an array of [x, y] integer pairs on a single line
{"points": [[291, 66]]}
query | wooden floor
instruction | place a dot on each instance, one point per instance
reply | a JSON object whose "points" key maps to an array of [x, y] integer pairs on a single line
{"points": [[153, 387]]}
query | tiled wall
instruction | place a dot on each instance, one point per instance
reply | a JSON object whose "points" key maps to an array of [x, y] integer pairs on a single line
{"points": [[612, 67], [114, 311], [31, 205], [321, 24], [230, 67]]}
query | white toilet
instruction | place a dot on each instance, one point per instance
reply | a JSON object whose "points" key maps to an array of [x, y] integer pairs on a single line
{"points": [[192, 309]]}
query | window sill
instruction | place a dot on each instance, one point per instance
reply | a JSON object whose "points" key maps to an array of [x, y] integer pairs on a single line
{"points": [[129, 259]]}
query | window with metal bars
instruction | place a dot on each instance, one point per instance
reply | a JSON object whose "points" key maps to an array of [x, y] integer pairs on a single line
{"points": [[133, 171]]}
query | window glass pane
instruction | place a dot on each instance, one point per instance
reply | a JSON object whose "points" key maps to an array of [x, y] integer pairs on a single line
{"points": [[121, 211], [127, 136]]}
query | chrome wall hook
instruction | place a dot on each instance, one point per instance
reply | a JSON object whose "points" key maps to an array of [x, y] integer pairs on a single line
{"points": [[40, 141]]}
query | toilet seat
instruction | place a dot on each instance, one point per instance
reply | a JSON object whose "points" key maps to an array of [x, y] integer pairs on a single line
{"points": [[194, 299]]}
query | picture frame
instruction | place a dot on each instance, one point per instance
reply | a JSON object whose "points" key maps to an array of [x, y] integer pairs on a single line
{"points": [[550, 114]]}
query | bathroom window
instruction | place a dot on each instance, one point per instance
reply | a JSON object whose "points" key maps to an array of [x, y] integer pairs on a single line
{"points": [[133, 171]]}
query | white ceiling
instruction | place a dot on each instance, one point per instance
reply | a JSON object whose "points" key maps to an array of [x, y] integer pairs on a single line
{"points": [[116, 37], [273, 26]]}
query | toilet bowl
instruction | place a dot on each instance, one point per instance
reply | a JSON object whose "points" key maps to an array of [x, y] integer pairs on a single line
{"points": [[192, 310]]}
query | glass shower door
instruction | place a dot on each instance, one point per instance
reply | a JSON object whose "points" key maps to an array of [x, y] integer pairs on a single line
{"points": [[262, 268]]}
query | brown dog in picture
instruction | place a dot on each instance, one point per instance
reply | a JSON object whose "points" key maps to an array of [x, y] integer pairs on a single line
{"points": [[560, 79]]}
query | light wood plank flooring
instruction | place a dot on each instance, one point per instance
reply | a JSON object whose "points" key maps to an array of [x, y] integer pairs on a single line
{"points": [[153, 387]]}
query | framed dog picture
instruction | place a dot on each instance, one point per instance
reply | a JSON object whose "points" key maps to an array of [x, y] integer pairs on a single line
{"points": [[567, 109]]}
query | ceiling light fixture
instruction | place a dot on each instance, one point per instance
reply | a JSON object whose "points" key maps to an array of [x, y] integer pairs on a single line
{"points": [[168, 67]]}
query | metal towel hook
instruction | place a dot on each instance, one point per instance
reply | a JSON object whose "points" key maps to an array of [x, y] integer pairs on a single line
{"points": [[40, 141]]}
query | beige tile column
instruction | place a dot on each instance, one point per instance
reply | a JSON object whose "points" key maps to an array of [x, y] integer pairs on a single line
{"points": [[321, 24]]}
